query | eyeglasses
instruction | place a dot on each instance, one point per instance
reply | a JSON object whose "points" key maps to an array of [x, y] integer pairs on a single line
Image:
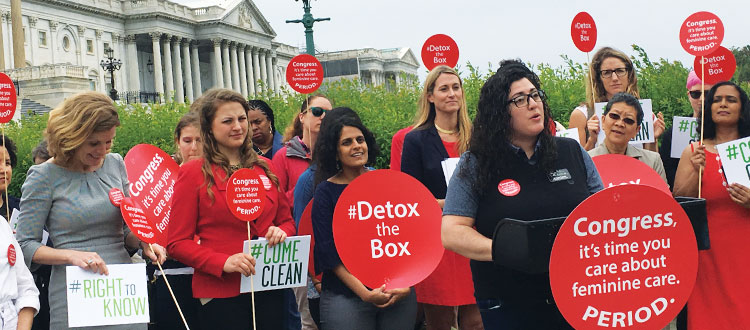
{"points": [[316, 111], [523, 100], [697, 94], [620, 72], [616, 117]]}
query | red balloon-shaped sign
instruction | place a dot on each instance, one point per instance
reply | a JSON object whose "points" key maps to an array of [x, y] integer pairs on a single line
{"points": [[152, 174], [304, 73], [617, 170], [701, 33], [140, 225], [116, 196], [246, 194], [439, 49], [386, 226], [626, 257], [583, 32], [8, 98], [717, 66], [305, 228]]}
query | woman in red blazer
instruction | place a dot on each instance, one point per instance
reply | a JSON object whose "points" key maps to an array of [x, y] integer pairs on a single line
{"points": [[200, 210]]}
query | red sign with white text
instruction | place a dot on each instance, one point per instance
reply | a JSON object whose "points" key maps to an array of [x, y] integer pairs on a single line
{"points": [[439, 49], [116, 196], [305, 228], [617, 170], [140, 225], [11, 255], [583, 32], [245, 194], [717, 66], [8, 99], [701, 33], [626, 257], [304, 73], [152, 174], [386, 226]]}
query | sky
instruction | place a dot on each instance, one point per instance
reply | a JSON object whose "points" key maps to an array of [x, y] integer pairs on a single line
{"points": [[490, 31]]}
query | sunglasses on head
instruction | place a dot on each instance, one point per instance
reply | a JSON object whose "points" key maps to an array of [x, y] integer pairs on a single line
{"points": [[616, 117], [697, 94], [317, 111]]}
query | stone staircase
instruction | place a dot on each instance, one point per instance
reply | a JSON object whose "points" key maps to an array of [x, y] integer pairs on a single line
{"points": [[29, 107]]}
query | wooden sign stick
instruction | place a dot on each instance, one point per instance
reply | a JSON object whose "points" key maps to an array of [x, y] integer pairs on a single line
{"points": [[252, 286], [170, 289]]}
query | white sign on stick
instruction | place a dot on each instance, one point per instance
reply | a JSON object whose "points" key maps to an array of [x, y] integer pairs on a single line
{"points": [[735, 159], [683, 133], [571, 133], [645, 134], [119, 298], [282, 266]]}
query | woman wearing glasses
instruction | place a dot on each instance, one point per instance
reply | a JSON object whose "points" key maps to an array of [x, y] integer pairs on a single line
{"points": [[442, 130], [721, 297], [509, 144], [613, 73], [620, 123]]}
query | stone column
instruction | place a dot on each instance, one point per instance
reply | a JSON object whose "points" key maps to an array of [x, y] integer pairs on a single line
{"points": [[276, 79], [197, 90], [99, 55], [249, 70], [218, 72], [235, 67], [19, 52], [263, 69], [121, 80], [188, 70], [134, 78], [156, 46], [269, 69], [82, 45], [243, 74], [256, 69], [51, 39], [225, 64], [168, 73], [179, 94], [33, 39], [7, 35]]}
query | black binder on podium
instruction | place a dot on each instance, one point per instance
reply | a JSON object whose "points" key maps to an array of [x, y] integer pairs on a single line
{"points": [[526, 245]]}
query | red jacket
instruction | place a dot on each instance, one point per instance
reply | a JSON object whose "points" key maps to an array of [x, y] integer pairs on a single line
{"points": [[221, 233], [289, 165]]}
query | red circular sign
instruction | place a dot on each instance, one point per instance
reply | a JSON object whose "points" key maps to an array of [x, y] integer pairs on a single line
{"points": [[625, 257], [583, 32], [116, 196], [304, 73], [701, 33], [140, 225], [439, 49], [386, 226], [11, 255], [305, 228], [152, 174], [617, 170], [8, 98], [717, 66], [245, 194], [509, 187]]}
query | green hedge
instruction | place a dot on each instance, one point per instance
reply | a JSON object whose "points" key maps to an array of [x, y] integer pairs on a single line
{"points": [[383, 110]]}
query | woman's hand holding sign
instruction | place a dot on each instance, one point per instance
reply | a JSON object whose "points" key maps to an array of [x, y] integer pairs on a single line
{"points": [[158, 254], [592, 125], [90, 261], [240, 263], [275, 236], [698, 157], [396, 295], [739, 194]]}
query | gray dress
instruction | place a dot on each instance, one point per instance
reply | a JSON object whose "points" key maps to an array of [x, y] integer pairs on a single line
{"points": [[75, 209]]}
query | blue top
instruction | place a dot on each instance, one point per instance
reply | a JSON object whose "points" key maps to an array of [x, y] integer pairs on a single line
{"points": [[325, 253], [303, 192], [277, 144], [462, 200]]}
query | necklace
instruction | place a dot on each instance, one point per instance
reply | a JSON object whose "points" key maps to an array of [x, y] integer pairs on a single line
{"points": [[234, 168], [444, 131]]}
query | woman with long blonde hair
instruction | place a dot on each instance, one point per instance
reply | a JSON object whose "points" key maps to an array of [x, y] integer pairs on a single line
{"points": [[442, 130], [201, 210]]}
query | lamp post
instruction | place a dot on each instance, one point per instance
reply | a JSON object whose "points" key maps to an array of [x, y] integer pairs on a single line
{"points": [[111, 65], [308, 21]]}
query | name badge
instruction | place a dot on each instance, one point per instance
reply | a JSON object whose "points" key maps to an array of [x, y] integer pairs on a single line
{"points": [[559, 175]]}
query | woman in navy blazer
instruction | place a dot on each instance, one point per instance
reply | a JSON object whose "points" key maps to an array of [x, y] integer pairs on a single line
{"points": [[442, 130]]}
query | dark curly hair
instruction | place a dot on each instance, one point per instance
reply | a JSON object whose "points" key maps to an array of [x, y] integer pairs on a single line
{"points": [[491, 137], [709, 128], [265, 109], [327, 144]]}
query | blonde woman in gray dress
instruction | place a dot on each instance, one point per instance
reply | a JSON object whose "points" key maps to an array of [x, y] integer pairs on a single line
{"points": [[69, 196]]}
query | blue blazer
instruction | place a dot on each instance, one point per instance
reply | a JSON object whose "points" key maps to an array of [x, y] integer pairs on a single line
{"points": [[423, 151]]}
